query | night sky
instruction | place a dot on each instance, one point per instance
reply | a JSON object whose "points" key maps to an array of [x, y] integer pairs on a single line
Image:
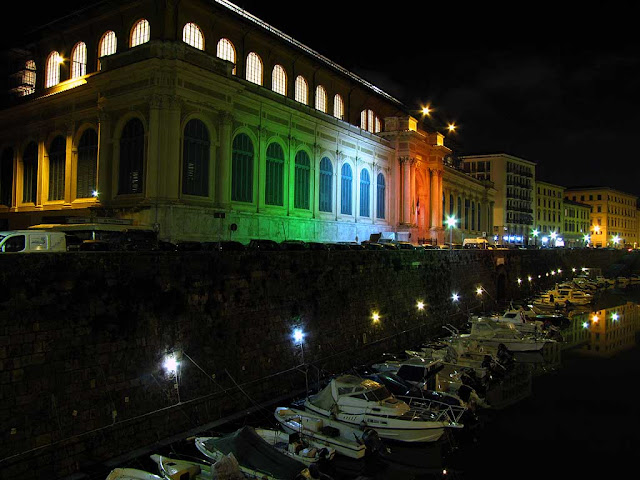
{"points": [[555, 85]]}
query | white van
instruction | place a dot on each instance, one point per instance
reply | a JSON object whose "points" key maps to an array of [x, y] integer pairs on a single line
{"points": [[480, 243], [30, 241]]}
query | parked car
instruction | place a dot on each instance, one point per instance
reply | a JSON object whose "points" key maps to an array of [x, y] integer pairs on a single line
{"points": [[95, 246], [263, 245], [372, 246], [224, 246], [188, 246], [317, 246], [390, 246], [338, 246], [405, 246], [293, 245]]}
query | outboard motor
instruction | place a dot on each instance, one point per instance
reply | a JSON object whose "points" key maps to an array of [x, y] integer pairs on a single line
{"points": [[372, 441]]}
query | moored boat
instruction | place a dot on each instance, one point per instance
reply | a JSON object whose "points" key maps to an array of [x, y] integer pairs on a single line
{"points": [[296, 446], [368, 404], [256, 458], [131, 474]]}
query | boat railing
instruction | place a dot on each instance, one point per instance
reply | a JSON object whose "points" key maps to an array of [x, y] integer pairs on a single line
{"points": [[439, 411]]}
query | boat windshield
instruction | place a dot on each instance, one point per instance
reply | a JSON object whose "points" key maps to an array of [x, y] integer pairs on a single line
{"points": [[378, 394]]}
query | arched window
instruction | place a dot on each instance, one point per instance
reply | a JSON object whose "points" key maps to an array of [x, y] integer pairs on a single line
{"points": [[279, 80], [321, 99], [140, 33], [195, 159], [302, 180], [346, 189], [274, 180], [28, 79], [451, 205], [380, 199], [30, 173], [242, 169], [325, 189], [52, 71], [57, 161], [87, 164], [254, 68], [192, 35], [364, 192], [6, 177], [338, 107], [302, 90], [131, 172], [226, 51], [79, 60], [369, 121], [107, 46]]}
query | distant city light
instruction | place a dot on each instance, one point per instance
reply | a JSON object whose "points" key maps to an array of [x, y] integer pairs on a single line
{"points": [[452, 127]]}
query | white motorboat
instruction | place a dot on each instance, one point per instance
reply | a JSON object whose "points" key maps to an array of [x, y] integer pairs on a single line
{"points": [[131, 474], [323, 431], [256, 457], [368, 404], [561, 295], [296, 446], [492, 333]]}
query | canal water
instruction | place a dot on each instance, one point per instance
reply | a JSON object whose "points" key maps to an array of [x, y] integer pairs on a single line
{"points": [[582, 419]]}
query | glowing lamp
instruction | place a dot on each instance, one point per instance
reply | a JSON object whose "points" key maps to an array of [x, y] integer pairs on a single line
{"points": [[585, 324], [479, 291], [614, 317], [375, 317], [170, 364], [455, 297], [298, 335], [420, 305], [595, 319]]}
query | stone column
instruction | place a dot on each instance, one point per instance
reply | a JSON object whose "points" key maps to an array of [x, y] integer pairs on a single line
{"points": [[69, 171], [105, 184], [414, 218], [223, 182], [406, 190], [436, 199], [154, 139]]}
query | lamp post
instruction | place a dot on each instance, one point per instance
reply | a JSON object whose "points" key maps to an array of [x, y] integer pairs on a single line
{"points": [[616, 240], [553, 236], [535, 234], [451, 223]]}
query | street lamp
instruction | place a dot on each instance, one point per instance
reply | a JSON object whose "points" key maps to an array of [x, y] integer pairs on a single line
{"points": [[616, 240], [535, 234], [451, 223], [586, 239], [553, 236]]}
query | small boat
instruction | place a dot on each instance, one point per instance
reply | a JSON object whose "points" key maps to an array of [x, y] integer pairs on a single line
{"points": [[131, 474], [296, 446], [256, 457], [368, 404], [174, 469], [322, 431]]}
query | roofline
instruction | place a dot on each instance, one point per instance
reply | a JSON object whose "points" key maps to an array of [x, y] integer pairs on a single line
{"points": [[544, 182], [594, 188], [494, 155], [261, 23]]}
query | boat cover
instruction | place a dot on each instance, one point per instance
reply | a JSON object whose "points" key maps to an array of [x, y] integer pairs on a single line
{"points": [[251, 451]]}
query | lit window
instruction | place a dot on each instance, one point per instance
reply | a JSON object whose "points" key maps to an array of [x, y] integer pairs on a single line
{"points": [[28, 80], [325, 190], [302, 90], [302, 184], [226, 51], [131, 170], [380, 200], [346, 188], [369, 121], [242, 169], [140, 33], [195, 159], [338, 107], [254, 68], [30, 173], [321, 99], [52, 72], [79, 60], [87, 164], [279, 80], [274, 178], [57, 156], [192, 35], [364, 192], [107, 46]]}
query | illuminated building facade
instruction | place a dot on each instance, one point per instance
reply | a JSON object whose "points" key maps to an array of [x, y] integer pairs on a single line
{"points": [[610, 330], [577, 223], [614, 215], [514, 181], [207, 123], [549, 214]]}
